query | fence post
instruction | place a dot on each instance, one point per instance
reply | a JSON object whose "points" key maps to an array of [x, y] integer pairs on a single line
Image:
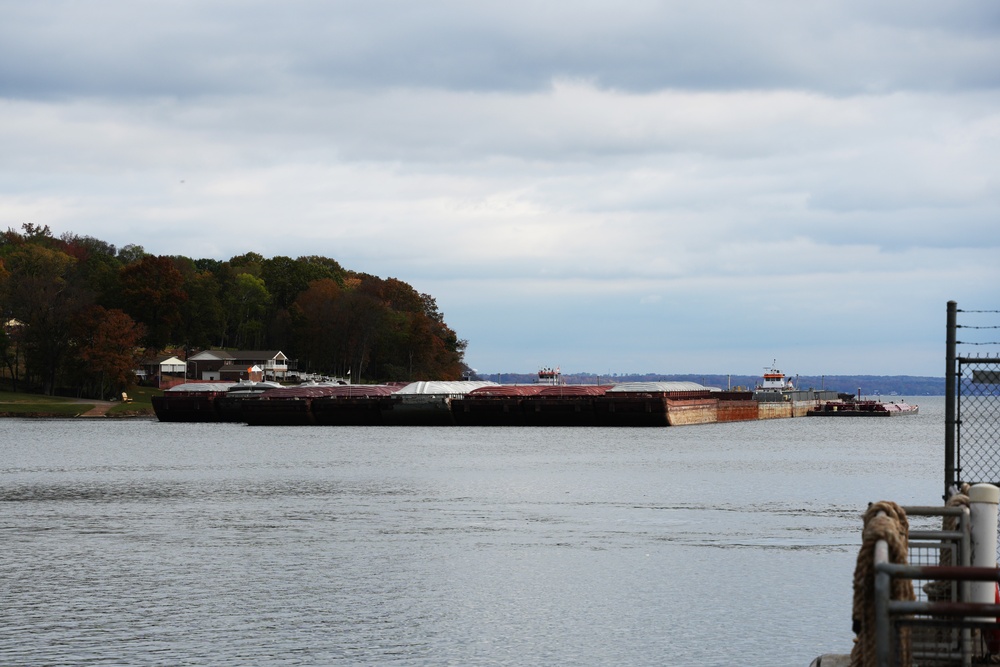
{"points": [[949, 400]]}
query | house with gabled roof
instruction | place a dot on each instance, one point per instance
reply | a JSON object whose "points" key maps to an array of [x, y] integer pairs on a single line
{"points": [[164, 370], [235, 365]]}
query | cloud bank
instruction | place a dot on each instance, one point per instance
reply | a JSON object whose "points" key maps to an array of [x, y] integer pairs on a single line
{"points": [[656, 188]]}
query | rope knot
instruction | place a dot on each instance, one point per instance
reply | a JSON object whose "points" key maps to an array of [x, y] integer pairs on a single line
{"points": [[884, 520]]}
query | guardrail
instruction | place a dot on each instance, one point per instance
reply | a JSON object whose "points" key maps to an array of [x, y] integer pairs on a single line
{"points": [[941, 627]]}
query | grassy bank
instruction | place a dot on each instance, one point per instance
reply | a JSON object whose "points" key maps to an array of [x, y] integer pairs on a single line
{"points": [[20, 404], [17, 404], [141, 405]]}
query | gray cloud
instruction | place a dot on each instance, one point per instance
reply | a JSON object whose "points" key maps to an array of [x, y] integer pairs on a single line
{"points": [[111, 48], [709, 182]]}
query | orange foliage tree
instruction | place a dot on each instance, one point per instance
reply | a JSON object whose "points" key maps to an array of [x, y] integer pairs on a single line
{"points": [[107, 350]]}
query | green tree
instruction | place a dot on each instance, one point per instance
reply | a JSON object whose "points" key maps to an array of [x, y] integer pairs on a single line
{"points": [[323, 267], [152, 293], [208, 264], [283, 279], [131, 254], [40, 294], [10, 351], [248, 302], [202, 314], [251, 262]]}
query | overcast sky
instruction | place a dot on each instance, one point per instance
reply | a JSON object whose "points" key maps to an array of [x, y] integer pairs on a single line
{"points": [[668, 187]]}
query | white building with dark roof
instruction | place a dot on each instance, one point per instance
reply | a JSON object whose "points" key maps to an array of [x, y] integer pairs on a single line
{"points": [[234, 365]]}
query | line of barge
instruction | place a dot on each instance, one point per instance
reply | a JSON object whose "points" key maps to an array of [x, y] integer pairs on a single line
{"points": [[473, 403]]}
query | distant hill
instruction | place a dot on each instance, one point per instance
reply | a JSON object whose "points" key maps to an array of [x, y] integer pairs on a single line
{"points": [[903, 385]]}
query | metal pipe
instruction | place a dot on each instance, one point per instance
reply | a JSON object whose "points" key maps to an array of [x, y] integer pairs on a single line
{"points": [[931, 510], [983, 505], [882, 584], [948, 572], [941, 535], [966, 609]]}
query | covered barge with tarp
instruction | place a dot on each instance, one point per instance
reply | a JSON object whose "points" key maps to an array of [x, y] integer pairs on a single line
{"points": [[427, 403], [625, 404], [658, 404], [353, 405], [286, 406], [547, 402], [190, 402], [207, 401], [563, 405], [413, 404], [499, 405]]}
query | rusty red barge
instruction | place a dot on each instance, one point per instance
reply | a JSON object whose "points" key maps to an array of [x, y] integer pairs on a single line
{"points": [[548, 402]]}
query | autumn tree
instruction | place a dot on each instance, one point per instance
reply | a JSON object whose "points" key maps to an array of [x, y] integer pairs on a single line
{"points": [[317, 316], [334, 320], [107, 350], [97, 264], [285, 279], [415, 341]]}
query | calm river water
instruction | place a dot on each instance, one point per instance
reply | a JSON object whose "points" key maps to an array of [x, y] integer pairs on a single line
{"points": [[140, 543]]}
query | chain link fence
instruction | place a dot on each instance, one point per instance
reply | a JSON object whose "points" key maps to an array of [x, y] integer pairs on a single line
{"points": [[978, 420], [973, 397]]}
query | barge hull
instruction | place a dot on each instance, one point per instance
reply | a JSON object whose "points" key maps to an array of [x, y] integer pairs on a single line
{"points": [[185, 409], [698, 411], [282, 412], [632, 411], [364, 411]]}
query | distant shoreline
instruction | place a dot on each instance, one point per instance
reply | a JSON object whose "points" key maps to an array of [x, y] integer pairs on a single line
{"points": [[870, 385]]}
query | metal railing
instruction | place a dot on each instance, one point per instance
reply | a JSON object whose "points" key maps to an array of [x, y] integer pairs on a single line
{"points": [[941, 627]]}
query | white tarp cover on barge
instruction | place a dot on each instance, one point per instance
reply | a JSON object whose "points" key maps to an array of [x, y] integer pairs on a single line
{"points": [[190, 387], [442, 388]]}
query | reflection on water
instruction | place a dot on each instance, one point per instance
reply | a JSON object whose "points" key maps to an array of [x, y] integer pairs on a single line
{"points": [[147, 543]]}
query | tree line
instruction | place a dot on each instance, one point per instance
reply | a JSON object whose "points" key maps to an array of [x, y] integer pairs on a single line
{"points": [[79, 313]]}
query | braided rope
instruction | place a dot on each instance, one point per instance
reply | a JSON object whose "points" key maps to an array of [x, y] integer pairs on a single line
{"points": [[887, 521], [950, 523], [939, 591]]}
